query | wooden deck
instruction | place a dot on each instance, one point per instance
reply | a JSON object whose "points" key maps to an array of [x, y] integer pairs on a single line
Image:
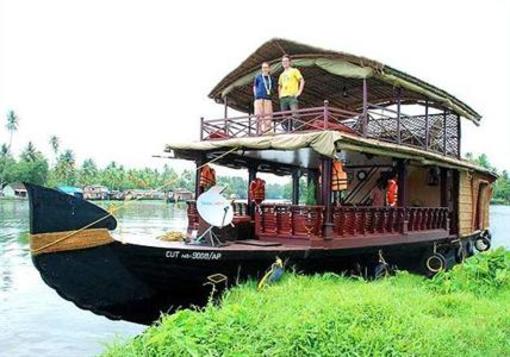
{"points": [[350, 227]]}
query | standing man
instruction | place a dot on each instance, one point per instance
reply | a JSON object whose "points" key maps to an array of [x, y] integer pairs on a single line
{"points": [[263, 89], [290, 87]]}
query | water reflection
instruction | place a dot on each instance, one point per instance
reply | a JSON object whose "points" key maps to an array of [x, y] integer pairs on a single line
{"points": [[42, 323]]}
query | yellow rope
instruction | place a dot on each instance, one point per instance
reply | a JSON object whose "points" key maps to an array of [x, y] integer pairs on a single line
{"points": [[124, 204]]}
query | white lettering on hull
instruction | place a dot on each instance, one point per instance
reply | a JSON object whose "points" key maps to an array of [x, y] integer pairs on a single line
{"points": [[173, 254]]}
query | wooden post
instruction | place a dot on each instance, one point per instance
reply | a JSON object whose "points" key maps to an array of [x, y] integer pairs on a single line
{"points": [[444, 132], [365, 109], [295, 186], [326, 197], [199, 162], [444, 186], [326, 114], [225, 108], [201, 128], [402, 192], [427, 141], [252, 174], [399, 136]]}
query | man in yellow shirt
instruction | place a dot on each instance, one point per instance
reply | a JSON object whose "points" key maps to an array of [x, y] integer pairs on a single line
{"points": [[290, 87]]}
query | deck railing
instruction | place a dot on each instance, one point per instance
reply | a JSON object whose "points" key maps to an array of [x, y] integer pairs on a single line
{"points": [[318, 118], [434, 132], [287, 221], [298, 221], [351, 221]]}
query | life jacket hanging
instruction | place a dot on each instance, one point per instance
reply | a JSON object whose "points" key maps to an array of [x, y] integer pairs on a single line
{"points": [[338, 176], [257, 190], [207, 177]]}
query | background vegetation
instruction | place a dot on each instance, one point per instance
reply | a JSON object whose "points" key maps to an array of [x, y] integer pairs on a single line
{"points": [[62, 169], [464, 312]]}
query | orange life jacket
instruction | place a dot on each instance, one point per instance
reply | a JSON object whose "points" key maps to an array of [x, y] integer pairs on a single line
{"points": [[338, 177], [207, 177], [392, 193], [257, 190]]}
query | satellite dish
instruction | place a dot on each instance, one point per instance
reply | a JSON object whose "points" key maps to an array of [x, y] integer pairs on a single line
{"points": [[214, 208]]}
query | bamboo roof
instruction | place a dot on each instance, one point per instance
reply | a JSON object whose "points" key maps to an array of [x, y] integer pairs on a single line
{"points": [[334, 76]]}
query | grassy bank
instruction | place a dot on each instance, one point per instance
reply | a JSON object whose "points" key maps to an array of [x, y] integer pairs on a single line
{"points": [[462, 312]]}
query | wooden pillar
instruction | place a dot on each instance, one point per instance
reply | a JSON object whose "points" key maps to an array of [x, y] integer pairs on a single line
{"points": [[444, 186], [201, 128], [326, 197], [399, 136], [295, 186], [365, 109], [326, 114], [199, 162], [252, 174], [401, 180], [225, 108], [427, 133]]}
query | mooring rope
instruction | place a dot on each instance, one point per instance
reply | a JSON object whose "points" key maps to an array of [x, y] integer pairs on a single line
{"points": [[124, 204]]}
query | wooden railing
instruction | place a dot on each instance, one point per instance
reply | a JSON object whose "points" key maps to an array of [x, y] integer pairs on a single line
{"points": [[288, 220], [293, 221], [435, 132], [351, 221], [318, 118]]}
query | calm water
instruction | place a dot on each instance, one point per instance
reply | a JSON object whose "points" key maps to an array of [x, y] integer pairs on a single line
{"points": [[34, 320]]}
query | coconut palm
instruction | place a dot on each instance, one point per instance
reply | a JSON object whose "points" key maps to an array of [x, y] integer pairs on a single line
{"points": [[55, 144], [12, 125]]}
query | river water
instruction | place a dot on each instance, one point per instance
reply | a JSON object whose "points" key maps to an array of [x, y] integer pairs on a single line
{"points": [[35, 321]]}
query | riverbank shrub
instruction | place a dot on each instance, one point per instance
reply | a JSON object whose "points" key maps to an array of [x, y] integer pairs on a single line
{"points": [[462, 312]]}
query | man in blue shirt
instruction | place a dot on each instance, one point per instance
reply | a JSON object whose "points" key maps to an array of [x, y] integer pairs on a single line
{"points": [[263, 88]]}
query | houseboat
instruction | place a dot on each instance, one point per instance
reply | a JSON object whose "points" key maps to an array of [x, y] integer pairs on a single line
{"points": [[361, 126]]}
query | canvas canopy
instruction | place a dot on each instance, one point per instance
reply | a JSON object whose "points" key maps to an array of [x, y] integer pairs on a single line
{"points": [[327, 143]]}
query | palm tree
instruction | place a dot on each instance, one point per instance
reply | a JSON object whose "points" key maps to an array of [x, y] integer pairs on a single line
{"points": [[30, 152], [4, 150], [55, 144], [12, 125]]}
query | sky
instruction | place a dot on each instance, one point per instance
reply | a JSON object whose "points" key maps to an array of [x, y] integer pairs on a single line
{"points": [[116, 80]]}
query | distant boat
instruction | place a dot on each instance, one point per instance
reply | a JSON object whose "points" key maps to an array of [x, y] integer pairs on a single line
{"points": [[350, 138]]}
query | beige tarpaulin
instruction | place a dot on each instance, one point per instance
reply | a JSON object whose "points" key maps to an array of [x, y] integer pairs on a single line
{"points": [[323, 142], [328, 143]]}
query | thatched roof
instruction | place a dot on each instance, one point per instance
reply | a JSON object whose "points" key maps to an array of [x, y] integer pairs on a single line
{"points": [[335, 76]]}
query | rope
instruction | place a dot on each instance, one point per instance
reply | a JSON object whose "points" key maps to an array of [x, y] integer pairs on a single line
{"points": [[125, 203]]}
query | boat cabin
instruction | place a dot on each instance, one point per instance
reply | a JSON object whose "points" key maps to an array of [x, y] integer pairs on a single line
{"points": [[371, 121]]}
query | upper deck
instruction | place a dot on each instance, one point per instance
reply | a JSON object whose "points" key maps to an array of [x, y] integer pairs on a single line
{"points": [[438, 132], [346, 93]]}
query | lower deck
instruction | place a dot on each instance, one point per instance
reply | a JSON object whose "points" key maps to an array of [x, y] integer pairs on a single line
{"points": [[347, 227]]}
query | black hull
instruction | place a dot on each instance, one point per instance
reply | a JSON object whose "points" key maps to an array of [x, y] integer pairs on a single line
{"points": [[137, 283]]}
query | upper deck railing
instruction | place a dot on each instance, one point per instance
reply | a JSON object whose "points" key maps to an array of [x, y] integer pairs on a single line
{"points": [[438, 132]]}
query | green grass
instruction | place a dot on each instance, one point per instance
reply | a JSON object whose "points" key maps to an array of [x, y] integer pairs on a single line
{"points": [[462, 312]]}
